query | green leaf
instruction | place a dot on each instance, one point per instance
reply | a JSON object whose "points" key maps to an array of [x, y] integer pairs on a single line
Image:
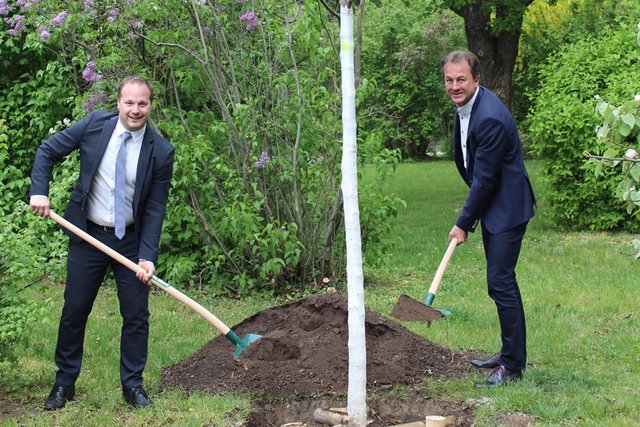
{"points": [[629, 119], [624, 129], [634, 171]]}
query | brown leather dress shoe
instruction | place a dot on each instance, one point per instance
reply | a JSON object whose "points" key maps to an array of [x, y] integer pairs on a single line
{"points": [[501, 376], [136, 397], [490, 363], [59, 396]]}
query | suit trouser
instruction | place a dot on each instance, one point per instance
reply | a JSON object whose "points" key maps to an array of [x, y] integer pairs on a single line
{"points": [[501, 252], [86, 270]]}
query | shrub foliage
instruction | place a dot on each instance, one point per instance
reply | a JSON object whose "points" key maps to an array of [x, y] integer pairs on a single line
{"points": [[249, 94], [563, 119]]}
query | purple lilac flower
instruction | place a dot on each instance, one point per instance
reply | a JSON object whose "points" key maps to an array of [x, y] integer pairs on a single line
{"points": [[113, 14], [4, 7], [135, 23], [248, 16], [252, 24], [207, 31], [252, 21], [17, 24], [89, 73], [25, 5], [88, 8], [262, 161], [59, 20], [242, 1], [89, 104], [44, 33], [95, 99]]}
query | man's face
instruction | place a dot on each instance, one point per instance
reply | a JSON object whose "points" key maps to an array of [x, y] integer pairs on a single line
{"points": [[459, 83], [134, 105]]}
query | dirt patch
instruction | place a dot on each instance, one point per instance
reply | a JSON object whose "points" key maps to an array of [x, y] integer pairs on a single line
{"points": [[11, 408], [411, 310], [514, 419], [301, 363]]}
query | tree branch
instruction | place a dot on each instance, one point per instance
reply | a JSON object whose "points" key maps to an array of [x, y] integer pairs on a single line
{"points": [[611, 159], [331, 11]]}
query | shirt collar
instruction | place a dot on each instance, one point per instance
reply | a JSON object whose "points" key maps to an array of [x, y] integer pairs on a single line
{"points": [[465, 110], [136, 135]]}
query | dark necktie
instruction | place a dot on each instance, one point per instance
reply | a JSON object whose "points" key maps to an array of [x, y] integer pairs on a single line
{"points": [[121, 186]]}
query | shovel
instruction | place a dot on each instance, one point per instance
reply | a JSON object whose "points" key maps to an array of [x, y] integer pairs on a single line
{"points": [[241, 344], [409, 309]]}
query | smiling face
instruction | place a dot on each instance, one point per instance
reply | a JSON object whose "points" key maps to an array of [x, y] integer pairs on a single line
{"points": [[459, 82], [134, 105]]}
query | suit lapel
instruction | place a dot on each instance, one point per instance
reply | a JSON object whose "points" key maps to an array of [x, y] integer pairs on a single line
{"points": [[471, 144], [144, 161], [101, 147]]}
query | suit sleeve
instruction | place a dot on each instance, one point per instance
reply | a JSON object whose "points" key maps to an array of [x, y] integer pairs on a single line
{"points": [[492, 140], [51, 152]]}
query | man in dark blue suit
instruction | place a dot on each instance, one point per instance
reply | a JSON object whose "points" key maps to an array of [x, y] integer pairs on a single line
{"points": [[145, 169], [488, 155]]}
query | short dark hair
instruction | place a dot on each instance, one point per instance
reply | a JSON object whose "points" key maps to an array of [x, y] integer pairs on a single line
{"points": [[458, 56], [136, 79]]}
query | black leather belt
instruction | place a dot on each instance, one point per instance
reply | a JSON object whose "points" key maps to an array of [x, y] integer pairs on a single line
{"points": [[106, 228]]}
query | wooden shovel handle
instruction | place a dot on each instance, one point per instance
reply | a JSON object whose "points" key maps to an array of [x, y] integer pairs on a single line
{"points": [[224, 329], [435, 283]]}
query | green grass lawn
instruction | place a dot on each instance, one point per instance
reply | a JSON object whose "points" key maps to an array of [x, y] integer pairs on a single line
{"points": [[581, 300], [579, 289]]}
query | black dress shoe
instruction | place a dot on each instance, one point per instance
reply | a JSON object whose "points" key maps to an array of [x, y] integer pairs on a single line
{"points": [[490, 363], [59, 396], [136, 397], [501, 376]]}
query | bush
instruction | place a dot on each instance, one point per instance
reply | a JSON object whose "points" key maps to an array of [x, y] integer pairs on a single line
{"points": [[248, 92], [562, 125]]}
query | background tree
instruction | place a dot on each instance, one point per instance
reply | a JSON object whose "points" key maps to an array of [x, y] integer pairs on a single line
{"points": [[493, 29], [402, 104]]}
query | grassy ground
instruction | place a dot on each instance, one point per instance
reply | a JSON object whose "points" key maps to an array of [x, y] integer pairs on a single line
{"points": [[580, 299], [580, 295]]}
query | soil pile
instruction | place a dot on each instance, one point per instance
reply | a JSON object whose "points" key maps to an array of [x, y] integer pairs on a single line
{"points": [[301, 363], [303, 351]]}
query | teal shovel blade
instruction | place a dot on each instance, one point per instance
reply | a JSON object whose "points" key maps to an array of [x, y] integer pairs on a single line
{"points": [[241, 344]]}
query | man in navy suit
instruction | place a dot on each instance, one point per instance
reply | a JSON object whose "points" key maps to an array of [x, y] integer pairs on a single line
{"points": [[488, 155], [147, 168]]}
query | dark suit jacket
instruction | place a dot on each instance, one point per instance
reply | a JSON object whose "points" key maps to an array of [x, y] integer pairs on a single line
{"points": [[91, 136], [500, 193]]}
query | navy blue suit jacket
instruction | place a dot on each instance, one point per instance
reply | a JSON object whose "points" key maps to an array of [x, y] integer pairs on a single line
{"points": [[153, 178], [500, 193]]}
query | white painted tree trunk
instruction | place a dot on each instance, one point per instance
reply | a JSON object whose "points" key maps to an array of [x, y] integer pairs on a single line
{"points": [[357, 389]]}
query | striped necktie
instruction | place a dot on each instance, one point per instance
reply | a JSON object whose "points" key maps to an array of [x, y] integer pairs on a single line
{"points": [[121, 185]]}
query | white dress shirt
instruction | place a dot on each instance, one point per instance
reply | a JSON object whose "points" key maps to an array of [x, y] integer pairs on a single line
{"points": [[101, 199], [464, 113]]}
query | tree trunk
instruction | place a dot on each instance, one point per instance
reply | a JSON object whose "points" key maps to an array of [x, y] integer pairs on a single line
{"points": [[493, 33], [357, 387]]}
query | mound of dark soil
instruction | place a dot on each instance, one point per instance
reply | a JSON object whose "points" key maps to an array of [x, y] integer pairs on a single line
{"points": [[303, 353]]}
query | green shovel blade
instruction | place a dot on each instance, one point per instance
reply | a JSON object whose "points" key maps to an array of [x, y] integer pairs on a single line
{"points": [[241, 344], [429, 300]]}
